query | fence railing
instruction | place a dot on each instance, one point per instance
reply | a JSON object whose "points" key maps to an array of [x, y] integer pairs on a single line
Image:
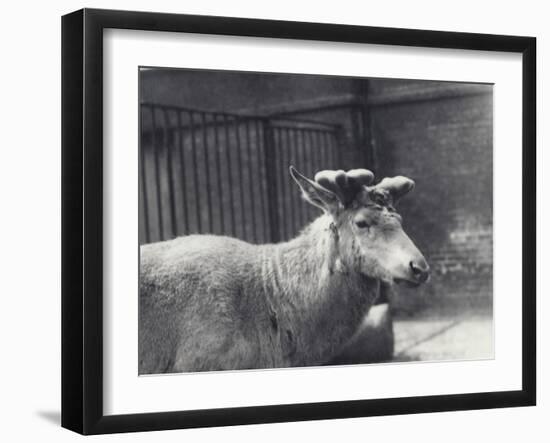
{"points": [[227, 174]]}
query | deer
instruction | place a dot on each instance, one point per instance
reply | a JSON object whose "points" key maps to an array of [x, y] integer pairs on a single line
{"points": [[212, 303]]}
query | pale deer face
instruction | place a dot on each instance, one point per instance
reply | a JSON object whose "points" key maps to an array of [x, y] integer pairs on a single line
{"points": [[368, 228]]}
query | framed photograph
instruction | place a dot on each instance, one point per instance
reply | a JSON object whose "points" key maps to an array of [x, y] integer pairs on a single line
{"points": [[269, 221]]}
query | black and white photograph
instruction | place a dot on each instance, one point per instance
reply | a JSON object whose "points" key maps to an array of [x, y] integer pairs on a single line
{"points": [[291, 221], [297, 220]]}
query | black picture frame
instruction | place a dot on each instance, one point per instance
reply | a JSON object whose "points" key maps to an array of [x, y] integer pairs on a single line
{"points": [[82, 220]]}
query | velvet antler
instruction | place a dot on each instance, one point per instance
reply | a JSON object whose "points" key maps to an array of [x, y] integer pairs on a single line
{"points": [[396, 186], [345, 185]]}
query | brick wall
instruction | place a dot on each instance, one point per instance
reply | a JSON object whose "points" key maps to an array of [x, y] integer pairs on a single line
{"points": [[440, 135]]}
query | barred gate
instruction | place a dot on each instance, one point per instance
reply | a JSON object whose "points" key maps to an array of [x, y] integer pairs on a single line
{"points": [[227, 174]]}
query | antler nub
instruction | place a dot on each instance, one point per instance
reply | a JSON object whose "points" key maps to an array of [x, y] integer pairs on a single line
{"points": [[363, 177], [345, 185], [396, 186]]}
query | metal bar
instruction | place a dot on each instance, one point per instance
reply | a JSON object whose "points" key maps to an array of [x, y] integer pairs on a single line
{"points": [[182, 172], [219, 174], [308, 152], [297, 200], [173, 225], [339, 143], [305, 170], [324, 150], [230, 177], [277, 137], [241, 183], [326, 145], [297, 157], [195, 172], [207, 171], [280, 178], [157, 174], [251, 183], [270, 161], [261, 178], [332, 156], [285, 184], [305, 206], [144, 180], [318, 146], [312, 148], [289, 182], [313, 153]]}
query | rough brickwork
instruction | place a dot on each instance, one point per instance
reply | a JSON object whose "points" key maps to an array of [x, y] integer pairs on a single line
{"points": [[444, 142]]}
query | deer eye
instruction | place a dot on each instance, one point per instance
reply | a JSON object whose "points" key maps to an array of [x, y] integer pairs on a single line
{"points": [[361, 223]]}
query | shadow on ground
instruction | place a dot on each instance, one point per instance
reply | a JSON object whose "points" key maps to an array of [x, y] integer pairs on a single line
{"points": [[53, 417]]}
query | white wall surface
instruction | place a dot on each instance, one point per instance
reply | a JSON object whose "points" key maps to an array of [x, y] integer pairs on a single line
{"points": [[30, 219]]}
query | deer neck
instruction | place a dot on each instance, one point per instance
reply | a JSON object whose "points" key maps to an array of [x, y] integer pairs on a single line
{"points": [[320, 301]]}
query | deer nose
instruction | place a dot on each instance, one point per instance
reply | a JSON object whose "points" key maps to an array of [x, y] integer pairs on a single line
{"points": [[420, 270]]}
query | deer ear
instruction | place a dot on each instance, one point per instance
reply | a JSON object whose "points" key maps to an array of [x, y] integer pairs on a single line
{"points": [[397, 186], [314, 193]]}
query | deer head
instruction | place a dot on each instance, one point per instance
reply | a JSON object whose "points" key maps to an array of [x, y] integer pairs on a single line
{"points": [[365, 223]]}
